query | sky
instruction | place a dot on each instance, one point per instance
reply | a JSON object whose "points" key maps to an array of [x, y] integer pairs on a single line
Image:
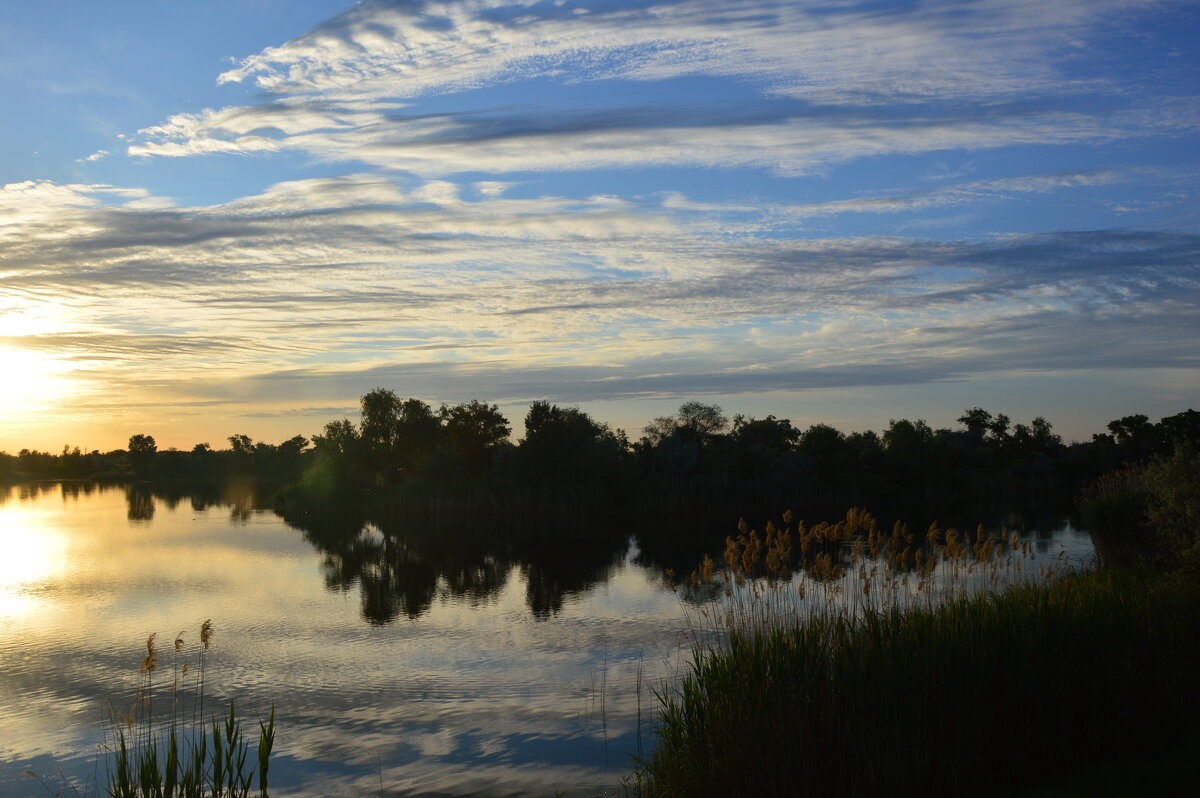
{"points": [[238, 216]]}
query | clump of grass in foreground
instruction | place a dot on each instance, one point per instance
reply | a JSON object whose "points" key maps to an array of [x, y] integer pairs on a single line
{"points": [[186, 757], [982, 693]]}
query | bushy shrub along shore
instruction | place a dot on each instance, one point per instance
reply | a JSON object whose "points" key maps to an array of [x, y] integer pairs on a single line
{"points": [[1148, 513]]}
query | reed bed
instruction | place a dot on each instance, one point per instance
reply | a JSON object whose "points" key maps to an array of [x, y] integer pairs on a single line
{"points": [[179, 753], [1114, 508], [842, 660]]}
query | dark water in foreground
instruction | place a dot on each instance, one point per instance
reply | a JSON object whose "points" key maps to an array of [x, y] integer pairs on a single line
{"points": [[430, 664]]}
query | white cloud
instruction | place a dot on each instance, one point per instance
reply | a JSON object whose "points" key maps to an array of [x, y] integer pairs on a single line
{"points": [[315, 288], [831, 83], [31, 201], [973, 192], [438, 192], [492, 188], [434, 146], [821, 49]]}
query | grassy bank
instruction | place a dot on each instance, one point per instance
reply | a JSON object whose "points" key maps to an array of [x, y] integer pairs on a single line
{"points": [[986, 694]]}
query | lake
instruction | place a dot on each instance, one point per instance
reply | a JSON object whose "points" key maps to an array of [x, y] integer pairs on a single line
{"points": [[464, 661]]}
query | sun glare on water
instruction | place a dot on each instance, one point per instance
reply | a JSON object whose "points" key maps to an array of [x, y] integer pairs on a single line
{"points": [[29, 555]]}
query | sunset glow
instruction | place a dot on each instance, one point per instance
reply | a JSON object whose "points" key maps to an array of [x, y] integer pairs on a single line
{"points": [[419, 344], [31, 380], [828, 211]]}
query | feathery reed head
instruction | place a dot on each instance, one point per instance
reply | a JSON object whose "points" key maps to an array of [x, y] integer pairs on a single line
{"points": [[206, 633], [150, 661]]}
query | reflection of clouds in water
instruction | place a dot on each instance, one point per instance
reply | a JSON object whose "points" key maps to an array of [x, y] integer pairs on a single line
{"points": [[471, 697], [433, 778], [31, 731], [437, 713]]}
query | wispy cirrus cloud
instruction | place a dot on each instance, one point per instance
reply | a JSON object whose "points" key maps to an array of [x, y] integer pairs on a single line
{"points": [[788, 143], [967, 193], [321, 289], [403, 48], [829, 83]]}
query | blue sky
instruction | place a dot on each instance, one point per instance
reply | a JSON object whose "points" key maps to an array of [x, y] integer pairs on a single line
{"points": [[231, 217]]}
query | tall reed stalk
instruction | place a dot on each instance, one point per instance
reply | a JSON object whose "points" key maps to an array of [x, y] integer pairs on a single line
{"points": [[192, 759]]}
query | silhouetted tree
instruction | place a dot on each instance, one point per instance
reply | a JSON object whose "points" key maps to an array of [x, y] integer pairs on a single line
{"points": [[685, 444], [825, 445], [976, 420], [999, 428], [1181, 428], [418, 430], [703, 420], [399, 435], [339, 460], [141, 453], [474, 430], [292, 447], [768, 434], [378, 429], [1134, 429], [564, 444]]}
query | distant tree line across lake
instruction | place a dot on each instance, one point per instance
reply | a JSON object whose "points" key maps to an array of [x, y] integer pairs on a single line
{"points": [[405, 453]]}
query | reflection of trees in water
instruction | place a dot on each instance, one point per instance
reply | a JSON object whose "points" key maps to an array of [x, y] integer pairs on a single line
{"points": [[241, 499], [32, 490], [239, 496], [401, 568], [476, 582], [139, 503], [393, 578], [73, 490], [556, 573], [143, 498]]}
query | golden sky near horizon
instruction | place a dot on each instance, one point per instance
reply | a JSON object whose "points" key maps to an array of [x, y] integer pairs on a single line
{"points": [[238, 218]]}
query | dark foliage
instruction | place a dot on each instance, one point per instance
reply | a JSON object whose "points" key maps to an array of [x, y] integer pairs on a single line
{"points": [[459, 460]]}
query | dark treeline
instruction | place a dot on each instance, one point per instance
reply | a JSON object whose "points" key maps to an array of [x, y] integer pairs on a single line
{"points": [[202, 467], [412, 501], [459, 460]]}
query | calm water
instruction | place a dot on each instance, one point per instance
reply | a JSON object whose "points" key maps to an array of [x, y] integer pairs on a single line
{"points": [[438, 664]]}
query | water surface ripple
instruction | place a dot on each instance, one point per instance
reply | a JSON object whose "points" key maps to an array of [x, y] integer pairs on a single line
{"points": [[436, 667]]}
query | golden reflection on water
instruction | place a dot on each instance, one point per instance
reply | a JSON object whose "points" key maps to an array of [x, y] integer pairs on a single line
{"points": [[29, 555], [471, 694]]}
